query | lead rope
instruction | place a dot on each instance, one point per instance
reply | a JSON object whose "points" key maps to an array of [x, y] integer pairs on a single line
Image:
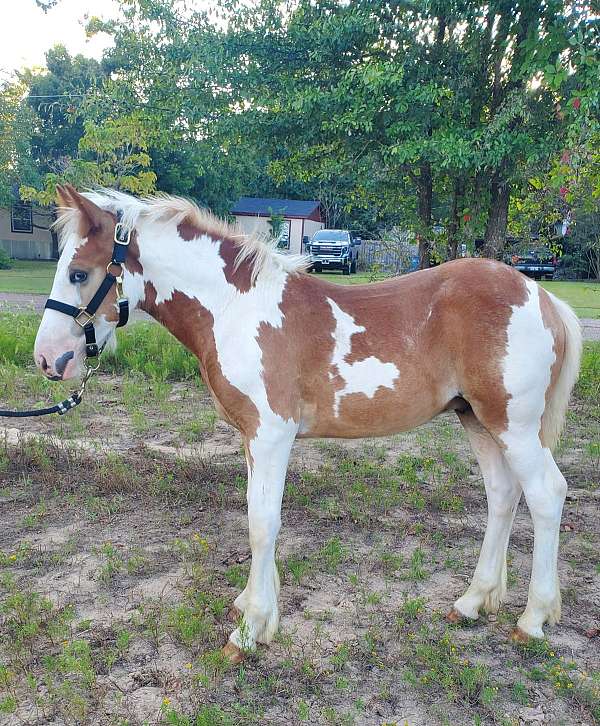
{"points": [[60, 408]]}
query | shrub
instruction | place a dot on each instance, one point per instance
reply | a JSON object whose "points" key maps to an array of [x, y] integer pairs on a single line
{"points": [[5, 261]]}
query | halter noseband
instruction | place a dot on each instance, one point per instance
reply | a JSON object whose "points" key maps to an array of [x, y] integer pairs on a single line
{"points": [[84, 316]]}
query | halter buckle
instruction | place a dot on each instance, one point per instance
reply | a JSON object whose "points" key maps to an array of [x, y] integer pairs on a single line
{"points": [[84, 318], [122, 234]]}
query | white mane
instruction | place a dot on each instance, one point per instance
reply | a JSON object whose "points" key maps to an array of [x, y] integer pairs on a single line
{"points": [[259, 251]]}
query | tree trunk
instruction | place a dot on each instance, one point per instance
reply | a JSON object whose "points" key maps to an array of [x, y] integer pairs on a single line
{"points": [[495, 229], [425, 192], [454, 225]]}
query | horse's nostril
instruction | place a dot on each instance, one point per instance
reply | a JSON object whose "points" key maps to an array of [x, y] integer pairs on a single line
{"points": [[43, 363], [61, 363]]}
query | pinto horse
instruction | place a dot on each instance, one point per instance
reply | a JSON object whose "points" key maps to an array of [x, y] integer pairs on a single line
{"points": [[285, 355]]}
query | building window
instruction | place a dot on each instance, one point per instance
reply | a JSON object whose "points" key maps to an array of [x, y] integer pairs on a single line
{"points": [[21, 218]]}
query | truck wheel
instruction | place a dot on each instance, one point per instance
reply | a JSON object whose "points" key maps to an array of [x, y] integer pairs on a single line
{"points": [[346, 269], [317, 268], [353, 267]]}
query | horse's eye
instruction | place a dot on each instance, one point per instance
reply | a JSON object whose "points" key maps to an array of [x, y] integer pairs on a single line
{"points": [[78, 276]]}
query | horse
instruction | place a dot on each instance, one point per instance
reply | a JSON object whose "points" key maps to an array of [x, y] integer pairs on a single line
{"points": [[286, 355]]}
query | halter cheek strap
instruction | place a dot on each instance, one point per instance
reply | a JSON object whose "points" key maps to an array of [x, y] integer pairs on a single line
{"points": [[84, 316]]}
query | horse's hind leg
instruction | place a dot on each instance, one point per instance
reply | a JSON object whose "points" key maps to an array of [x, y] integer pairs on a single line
{"points": [[488, 586], [545, 489]]}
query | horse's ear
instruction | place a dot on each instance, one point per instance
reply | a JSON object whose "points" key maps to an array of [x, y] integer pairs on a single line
{"points": [[63, 200], [93, 217]]}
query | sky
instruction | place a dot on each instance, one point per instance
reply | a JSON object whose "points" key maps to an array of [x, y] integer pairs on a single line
{"points": [[26, 32]]}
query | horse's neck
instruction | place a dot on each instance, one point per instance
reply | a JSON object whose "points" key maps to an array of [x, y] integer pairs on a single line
{"points": [[201, 269], [194, 288]]}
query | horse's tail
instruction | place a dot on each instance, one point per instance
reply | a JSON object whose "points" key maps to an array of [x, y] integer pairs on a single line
{"points": [[556, 407]]}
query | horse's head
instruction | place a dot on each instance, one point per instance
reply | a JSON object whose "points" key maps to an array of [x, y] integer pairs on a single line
{"points": [[86, 242]]}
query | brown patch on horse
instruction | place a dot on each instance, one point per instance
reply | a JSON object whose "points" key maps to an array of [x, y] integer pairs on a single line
{"points": [[238, 275], [446, 327], [295, 365], [93, 257], [232, 653], [554, 324], [132, 261], [192, 324], [476, 306]]}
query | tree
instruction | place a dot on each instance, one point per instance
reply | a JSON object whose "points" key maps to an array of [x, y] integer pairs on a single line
{"points": [[56, 94], [16, 128]]}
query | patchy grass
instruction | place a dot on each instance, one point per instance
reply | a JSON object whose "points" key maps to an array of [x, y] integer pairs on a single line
{"points": [[117, 572], [588, 385], [120, 555]]}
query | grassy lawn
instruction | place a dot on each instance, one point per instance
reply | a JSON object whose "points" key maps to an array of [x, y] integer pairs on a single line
{"points": [[28, 276], [583, 297]]}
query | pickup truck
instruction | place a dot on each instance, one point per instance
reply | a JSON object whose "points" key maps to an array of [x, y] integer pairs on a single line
{"points": [[334, 249], [535, 263]]}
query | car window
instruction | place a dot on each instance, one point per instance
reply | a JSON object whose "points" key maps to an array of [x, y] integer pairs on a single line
{"points": [[330, 235]]}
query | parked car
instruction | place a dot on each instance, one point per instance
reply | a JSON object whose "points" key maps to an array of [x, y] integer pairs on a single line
{"points": [[536, 263], [334, 249]]}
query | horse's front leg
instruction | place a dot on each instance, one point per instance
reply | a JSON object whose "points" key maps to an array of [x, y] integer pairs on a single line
{"points": [[267, 456]]}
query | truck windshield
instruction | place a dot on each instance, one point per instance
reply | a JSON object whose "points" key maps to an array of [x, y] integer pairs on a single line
{"points": [[331, 235]]}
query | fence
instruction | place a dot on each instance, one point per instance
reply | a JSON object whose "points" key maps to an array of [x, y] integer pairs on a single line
{"points": [[393, 256]]}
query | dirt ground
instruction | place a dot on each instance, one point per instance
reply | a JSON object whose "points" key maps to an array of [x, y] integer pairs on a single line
{"points": [[123, 543]]}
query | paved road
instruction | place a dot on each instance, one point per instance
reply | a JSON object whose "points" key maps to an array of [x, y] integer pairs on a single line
{"points": [[26, 301]]}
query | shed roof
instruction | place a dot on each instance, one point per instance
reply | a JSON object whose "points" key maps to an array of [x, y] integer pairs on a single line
{"points": [[260, 207]]}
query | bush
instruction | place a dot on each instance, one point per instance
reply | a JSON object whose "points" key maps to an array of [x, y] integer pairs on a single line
{"points": [[5, 261]]}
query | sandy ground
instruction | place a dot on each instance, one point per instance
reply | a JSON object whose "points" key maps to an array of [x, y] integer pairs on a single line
{"points": [[129, 517]]}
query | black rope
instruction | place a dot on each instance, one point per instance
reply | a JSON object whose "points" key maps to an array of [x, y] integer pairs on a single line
{"points": [[59, 408]]}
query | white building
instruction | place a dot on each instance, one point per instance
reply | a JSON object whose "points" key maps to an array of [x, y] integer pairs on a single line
{"points": [[301, 218]]}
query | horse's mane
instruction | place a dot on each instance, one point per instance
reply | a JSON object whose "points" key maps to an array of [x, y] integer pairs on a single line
{"points": [[257, 250]]}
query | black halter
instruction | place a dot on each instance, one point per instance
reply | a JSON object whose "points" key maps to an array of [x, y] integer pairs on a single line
{"points": [[85, 315]]}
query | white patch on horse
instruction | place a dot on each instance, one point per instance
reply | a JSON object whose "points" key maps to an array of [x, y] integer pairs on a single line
{"points": [[527, 366], [363, 376], [195, 268]]}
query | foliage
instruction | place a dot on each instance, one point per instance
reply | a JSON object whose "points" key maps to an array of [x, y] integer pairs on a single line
{"points": [[5, 261], [16, 128], [426, 116]]}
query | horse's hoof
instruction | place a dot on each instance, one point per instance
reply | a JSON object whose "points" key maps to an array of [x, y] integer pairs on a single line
{"points": [[232, 653], [234, 614], [519, 636], [455, 617]]}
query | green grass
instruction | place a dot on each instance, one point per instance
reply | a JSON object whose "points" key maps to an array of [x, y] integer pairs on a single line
{"points": [[28, 276], [142, 347], [588, 385], [583, 297]]}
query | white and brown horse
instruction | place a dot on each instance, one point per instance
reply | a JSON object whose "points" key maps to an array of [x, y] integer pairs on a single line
{"points": [[286, 354]]}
